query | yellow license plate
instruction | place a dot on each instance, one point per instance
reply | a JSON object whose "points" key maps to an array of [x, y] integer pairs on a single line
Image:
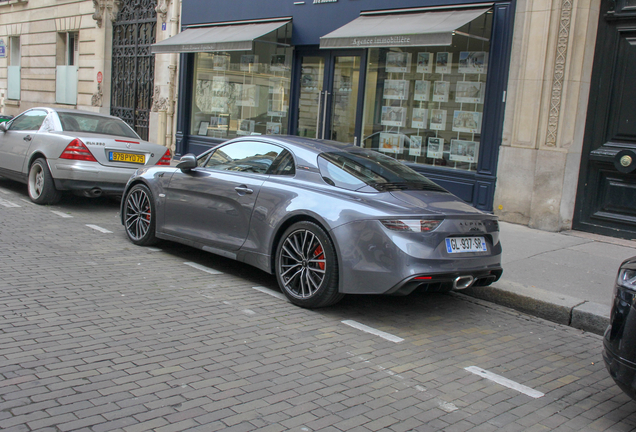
{"points": [[127, 157]]}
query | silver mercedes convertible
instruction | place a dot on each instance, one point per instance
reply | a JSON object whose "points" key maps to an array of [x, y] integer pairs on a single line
{"points": [[56, 150], [327, 219]]}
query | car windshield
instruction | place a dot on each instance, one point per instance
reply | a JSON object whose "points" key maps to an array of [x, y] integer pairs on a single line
{"points": [[76, 122], [355, 169]]}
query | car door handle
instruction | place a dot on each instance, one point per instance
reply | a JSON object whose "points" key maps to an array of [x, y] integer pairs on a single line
{"points": [[242, 190], [27, 138]]}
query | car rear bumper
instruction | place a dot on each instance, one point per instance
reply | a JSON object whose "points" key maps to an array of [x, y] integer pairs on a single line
{"points": [[374, 260], [90, 188], [85, 176]]}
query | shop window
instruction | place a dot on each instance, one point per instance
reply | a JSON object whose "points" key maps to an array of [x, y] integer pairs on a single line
{"points": [[425, 105], [243, 92]]}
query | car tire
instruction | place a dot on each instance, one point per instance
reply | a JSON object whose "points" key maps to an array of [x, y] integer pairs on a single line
{"points": [[40, 183], [307, 266], [140, 216]]}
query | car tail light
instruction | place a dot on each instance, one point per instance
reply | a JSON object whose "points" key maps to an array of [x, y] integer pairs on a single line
{"points": [[165, 159], [76, 150], [411, 225]]}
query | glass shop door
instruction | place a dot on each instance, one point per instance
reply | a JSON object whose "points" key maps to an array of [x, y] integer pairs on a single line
{"points": [[330, 95]]}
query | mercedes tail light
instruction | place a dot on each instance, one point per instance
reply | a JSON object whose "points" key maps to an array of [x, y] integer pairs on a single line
{"points": [[411, 225], [77, 150], [165, 159]]}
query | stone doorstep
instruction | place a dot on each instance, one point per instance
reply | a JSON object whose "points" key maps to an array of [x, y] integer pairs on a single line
{"points": [[558, 308]]}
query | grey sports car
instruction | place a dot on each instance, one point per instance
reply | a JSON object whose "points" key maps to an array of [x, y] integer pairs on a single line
{"points": [[328, 219], [55, 150]]}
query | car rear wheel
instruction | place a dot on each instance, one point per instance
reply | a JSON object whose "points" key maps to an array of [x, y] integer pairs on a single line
{"points": [[307, 267], [40, 184], [139, 216]]}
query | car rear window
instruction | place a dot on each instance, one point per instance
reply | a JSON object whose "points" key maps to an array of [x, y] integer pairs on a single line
{"points": [[356, 168], [73, 122]]}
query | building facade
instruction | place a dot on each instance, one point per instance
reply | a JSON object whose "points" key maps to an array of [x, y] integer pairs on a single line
{"points": [[520, 107], [91, 55]]}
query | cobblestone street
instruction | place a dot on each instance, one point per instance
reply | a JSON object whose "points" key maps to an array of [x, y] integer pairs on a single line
{"points": [[99, 334]]}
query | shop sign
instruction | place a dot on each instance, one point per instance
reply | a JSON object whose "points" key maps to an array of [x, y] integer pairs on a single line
{"points": [[3, 49], [382, 41]]}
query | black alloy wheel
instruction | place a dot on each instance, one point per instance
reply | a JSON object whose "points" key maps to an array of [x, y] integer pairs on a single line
{"points": [[306, 266], [139, 216]]}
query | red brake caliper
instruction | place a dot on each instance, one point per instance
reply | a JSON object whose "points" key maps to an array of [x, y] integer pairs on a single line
{"points": [[317, 254]]}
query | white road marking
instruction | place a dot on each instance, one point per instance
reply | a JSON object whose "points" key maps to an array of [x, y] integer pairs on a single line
{"points": [[248, 312], [505, 382], [5, 191], [8, 203], [151, 249], [27, 201], [373, 331], [203, 268], [100, 229], [276, 294], [60, 214]]}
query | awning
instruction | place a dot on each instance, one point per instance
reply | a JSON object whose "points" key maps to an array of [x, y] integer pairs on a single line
{"points": [[432, 28], [238, 37]]}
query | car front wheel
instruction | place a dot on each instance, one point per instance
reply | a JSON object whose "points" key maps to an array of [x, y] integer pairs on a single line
{"points": [[41, 187], [307, 267], [139, 216]]}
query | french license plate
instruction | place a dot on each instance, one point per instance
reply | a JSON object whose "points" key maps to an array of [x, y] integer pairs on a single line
{"points": [[465, 244], [126, 157]]}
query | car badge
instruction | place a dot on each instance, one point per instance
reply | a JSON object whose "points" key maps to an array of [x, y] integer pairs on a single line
{"points": [[626, 161], [128, 145]]}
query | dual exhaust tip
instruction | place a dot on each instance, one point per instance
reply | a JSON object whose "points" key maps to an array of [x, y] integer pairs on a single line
{"points": [[463, 282]]}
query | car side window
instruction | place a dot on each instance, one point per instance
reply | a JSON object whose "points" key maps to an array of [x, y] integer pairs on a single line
{"points": [[283, 165], [28, 121], [244, 156]]}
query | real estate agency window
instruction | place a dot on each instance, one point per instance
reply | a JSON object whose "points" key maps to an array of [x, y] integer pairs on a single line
{"points": [[243, 92], [425, 104]]}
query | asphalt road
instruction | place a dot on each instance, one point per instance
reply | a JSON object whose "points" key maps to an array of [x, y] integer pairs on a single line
{"points": [[98, 334]]}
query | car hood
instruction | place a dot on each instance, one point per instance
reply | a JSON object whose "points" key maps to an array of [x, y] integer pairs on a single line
{"points": [[436, 202]]}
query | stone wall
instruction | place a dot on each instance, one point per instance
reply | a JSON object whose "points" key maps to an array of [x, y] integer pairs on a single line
{"points": [[37, 23], [552, 54]]}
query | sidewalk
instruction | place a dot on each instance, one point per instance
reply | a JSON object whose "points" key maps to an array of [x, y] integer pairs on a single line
{"points": [[565, 277]]}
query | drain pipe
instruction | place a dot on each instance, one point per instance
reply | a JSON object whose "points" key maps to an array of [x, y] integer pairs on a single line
{"points": [[175, 18]]}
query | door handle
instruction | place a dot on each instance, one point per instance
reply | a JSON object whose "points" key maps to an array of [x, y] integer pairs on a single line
{"points": [[27, 138], [324, 114], [242, 190], [318, 116]]}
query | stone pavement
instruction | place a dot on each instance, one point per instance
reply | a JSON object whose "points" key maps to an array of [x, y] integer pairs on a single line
{"points": [[100, 335], [564, 277]]}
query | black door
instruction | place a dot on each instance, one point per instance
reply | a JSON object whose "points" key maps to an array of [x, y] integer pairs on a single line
{"points": [[606, 196], [329, 94], [133, 65]]}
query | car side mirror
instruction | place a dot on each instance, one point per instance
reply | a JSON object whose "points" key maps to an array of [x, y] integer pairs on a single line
{"points": [[3, 127], [187, 162]]}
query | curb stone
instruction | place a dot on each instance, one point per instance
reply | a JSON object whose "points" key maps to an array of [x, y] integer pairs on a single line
{"points": [[558, 308]]}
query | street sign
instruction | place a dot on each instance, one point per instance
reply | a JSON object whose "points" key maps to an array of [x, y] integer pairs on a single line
{"points": [[3, 49], [100, 77]]}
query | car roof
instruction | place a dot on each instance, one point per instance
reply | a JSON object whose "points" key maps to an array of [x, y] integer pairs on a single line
{"points": [[74, 111], [306, 149]]}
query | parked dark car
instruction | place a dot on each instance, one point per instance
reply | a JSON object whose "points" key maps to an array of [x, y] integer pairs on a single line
{"points": [[619, 343], [326, 218]]}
